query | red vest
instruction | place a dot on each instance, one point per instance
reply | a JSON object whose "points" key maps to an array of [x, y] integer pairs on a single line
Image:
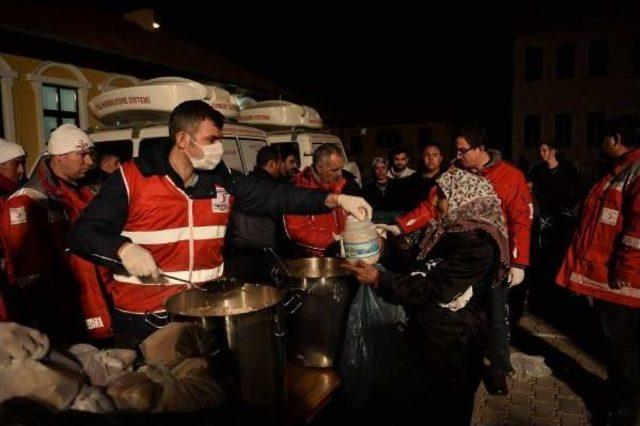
{"points": [[313, 233], [606, 246], [184, 235], [34, 225]]}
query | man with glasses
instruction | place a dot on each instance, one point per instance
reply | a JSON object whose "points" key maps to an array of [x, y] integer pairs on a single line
{"points": [[511, 188], [55, 292]]}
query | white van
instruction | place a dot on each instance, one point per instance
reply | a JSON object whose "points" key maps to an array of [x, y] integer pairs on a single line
{"points": [[138, 117], [297, 125], [241, 143]]}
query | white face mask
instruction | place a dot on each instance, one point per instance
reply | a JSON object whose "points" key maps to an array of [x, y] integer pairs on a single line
{"points": [[211, 156]]}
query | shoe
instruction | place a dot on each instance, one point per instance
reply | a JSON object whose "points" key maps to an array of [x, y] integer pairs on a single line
{"points": [[496, 382]]}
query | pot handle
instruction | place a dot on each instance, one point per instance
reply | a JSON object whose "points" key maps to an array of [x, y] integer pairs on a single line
{"points": [[292, 304], [276, 275], [156, 319], [280, 331]]}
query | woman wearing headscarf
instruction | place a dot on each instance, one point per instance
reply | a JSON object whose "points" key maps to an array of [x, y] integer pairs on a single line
{"points": [[462, 254]]}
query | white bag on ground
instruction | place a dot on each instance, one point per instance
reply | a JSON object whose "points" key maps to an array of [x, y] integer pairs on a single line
{"points": [[18, 342], [50, 384], [187, 387], [101, 366], [526, 367], [93, 400], [134, 391]]}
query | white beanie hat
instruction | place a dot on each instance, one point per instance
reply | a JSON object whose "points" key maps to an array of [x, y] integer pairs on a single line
{"points": [[10, 150], [68, 138]]}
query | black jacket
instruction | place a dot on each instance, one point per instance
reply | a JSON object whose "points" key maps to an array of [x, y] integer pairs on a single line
{"points": [[412, 190], [379, 200], [462, 259], [449, 344], [555, 190], [98, 229], [253, 230]]}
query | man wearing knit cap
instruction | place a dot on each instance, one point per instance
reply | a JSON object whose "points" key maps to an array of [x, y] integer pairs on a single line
{"points": [[12, 168], [57, 293]]}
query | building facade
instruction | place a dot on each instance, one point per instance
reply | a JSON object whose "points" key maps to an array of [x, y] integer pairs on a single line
{"points": [[568, 80]]}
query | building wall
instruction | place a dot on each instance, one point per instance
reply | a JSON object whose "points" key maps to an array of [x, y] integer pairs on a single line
{"points": [[409, 135], [23, 96], [616, 93]]}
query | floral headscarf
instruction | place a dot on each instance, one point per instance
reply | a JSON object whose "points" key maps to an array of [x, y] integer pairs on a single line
{"points": [[472, 204]]}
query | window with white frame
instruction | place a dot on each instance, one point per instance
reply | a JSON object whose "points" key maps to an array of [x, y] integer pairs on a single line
{"points": [[59, 100], [59, 106]]}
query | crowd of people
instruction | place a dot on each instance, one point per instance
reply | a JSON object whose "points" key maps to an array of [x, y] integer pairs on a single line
{"points": [[92, 245]]}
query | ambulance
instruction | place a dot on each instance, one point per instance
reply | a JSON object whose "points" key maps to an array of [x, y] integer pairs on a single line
{"points": [[299, 126], [138, 116]]}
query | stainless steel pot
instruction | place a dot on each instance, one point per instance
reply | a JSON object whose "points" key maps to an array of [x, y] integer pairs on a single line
{"points": [[246, 322], [316, 329]]}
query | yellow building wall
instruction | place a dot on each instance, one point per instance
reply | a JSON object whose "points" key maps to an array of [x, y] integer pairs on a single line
{"points": [[24, 100]]}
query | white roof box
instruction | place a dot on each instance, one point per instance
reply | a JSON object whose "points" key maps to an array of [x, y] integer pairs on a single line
{"points": [[222, 101], [153, 100], [281, 114]]}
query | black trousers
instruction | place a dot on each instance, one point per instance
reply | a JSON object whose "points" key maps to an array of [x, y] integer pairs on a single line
{"points": [[620, 328], [450, 346], [497, 306]]}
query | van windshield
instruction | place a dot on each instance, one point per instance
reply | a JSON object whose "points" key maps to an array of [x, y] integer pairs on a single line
{"points": [[231, 154], [250, 148], [146, 145]]}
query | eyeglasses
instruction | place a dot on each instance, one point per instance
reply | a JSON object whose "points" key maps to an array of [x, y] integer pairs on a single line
{"points": [[461, 152]]}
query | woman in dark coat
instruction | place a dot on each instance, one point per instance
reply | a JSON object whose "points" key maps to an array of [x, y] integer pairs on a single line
{"points": [[461, 255]]}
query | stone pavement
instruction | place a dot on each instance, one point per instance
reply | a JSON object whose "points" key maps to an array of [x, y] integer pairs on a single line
{"points": [[573, 395]]}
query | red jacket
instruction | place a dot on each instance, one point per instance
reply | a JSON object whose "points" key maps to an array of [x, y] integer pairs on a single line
{"points": [[35, 222], [184, 235], [512, 190], [7, 187], [314, 233], [606, 247]]}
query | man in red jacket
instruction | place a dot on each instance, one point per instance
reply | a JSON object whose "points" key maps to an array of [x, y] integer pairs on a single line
{"points": [[603, 262], [316, 234], [512, 190], [12, 168], [57, 293]]}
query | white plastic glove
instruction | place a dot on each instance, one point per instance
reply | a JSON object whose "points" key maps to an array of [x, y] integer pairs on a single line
{"points": [[515, 276], [338, 239], [357, 206], [139, 262], [18, 342], [394, 229]]}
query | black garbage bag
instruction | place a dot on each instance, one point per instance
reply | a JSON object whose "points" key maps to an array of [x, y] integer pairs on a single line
{"points": [[380, 374]]}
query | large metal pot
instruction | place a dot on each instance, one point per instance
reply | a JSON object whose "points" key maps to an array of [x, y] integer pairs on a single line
{"points": [[316, 329], [245, 320]]}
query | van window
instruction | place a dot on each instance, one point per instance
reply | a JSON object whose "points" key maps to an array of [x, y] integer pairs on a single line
{"points": [[315, 146], [122, 148], [232, 154], [250, 148]]}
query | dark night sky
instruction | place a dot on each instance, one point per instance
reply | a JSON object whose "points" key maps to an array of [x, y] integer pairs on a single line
{"points": [[379, 64]]}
